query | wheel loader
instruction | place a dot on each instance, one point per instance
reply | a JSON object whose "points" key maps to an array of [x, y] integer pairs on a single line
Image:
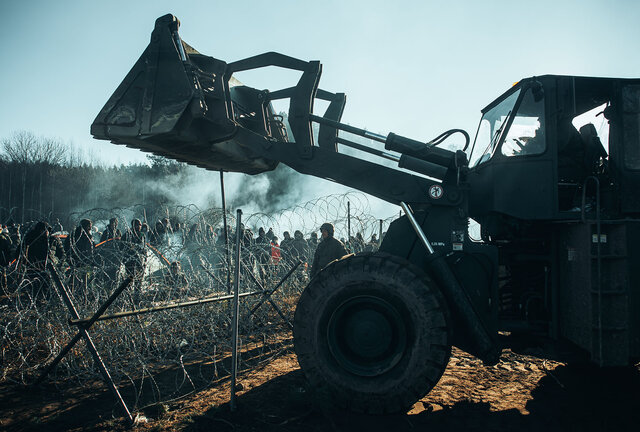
{"points": [[550, 186]]}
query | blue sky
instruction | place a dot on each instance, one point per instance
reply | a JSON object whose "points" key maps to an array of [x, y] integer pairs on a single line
{"points": [[415, 68]]}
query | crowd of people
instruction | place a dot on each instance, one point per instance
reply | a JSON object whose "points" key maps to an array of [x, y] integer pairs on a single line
{"points": [[31, 246]]}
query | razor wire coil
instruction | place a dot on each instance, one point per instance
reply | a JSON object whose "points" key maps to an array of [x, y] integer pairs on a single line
{"points": [[163, 355]]}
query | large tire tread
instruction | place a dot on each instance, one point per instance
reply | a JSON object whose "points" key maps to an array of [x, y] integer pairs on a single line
{"points": [[425, 361]]}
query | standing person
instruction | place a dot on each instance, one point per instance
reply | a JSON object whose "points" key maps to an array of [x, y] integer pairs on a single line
{"points": [[158, 235], [57, 227], [111, 231], [262, 252], [96, 235], [167, 225], [135, 256], [312, 244], [146, 232], [358, 243], [372, 246], [135, 234], [13, 230], [209, 235], [270, 235], [80, 244], [36, 249], [35, 246], [298, 247], [165, 239], [246, 238], [298, 251], [110, 264], [328, 250], [178, 233], [6, 245], [276, 251], [285, 247], [262, 243], [194, 235]]}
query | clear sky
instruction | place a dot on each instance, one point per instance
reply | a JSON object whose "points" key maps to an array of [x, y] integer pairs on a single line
{"points": [[415, 68]]}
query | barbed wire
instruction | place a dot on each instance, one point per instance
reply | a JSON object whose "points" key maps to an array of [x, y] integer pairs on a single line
{"points": [[159, 356]]}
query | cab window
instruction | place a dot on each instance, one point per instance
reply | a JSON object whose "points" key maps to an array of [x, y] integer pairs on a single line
{"points": [[491, 128], [526, 134]]}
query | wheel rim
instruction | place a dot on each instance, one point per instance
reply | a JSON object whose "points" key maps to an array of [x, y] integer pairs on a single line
{"points": [[367, 335]]}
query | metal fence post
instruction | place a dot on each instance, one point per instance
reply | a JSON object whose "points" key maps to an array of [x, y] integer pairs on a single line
{"points": [[236, 313], [349, 226], [226, 232]]}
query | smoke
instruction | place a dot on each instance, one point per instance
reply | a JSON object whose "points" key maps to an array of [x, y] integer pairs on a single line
{"points": [[266, 193], [274, 190]]}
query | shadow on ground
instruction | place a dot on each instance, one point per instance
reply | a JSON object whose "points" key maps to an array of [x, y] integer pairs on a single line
{"points": [[92, 406], [567, 399]]}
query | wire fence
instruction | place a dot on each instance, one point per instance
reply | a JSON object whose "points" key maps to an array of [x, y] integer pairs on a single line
{"points": [[155, 357]]}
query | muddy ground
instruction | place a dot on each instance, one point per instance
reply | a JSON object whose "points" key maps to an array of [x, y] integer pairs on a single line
{"points": [[521, 393]]}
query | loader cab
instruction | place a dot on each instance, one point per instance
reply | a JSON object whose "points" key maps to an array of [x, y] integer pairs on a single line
{"points": [[550, 145]]}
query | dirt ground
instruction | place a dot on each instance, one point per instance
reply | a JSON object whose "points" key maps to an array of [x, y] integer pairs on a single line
{"points": [[522, 393]]}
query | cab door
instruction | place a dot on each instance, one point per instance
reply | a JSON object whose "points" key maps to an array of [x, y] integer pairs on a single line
{"points": [[518, 177]]}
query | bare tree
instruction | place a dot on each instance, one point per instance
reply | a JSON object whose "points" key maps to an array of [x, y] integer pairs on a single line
{"points": [[24, 147]]}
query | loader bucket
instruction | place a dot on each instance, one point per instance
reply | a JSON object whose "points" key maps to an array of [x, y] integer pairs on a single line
{"points": [[178, 103]]}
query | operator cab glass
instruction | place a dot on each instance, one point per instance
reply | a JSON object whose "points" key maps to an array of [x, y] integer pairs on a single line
{"points": [[526, 133], [490, 130], [523, 136]]}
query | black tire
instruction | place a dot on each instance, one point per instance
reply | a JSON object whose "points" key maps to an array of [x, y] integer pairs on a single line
{"points": [[372, 333]]}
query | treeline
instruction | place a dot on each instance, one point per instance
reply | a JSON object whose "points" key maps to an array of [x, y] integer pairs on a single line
{"points": [[44, 178]]}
